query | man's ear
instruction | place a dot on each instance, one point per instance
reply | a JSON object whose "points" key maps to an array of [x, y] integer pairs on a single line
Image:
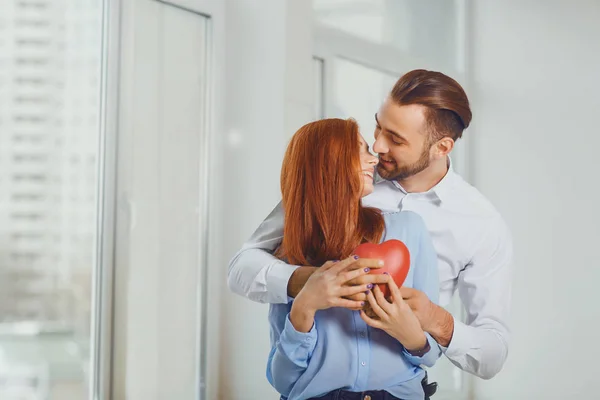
{"points": [[442, 147]]}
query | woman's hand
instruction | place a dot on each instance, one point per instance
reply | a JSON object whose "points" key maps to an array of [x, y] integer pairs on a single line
{"points": [[395, 317], [327, 287]]}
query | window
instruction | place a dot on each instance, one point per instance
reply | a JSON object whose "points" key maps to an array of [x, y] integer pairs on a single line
{"points": [[318, 71], [361, 99], [426, 28], [48, 260]]}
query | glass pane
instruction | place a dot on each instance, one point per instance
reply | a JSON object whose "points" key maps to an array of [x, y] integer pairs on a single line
{"points": [[181, 179], [50, 63], [358, 93], [426, 29], [318, 71]]}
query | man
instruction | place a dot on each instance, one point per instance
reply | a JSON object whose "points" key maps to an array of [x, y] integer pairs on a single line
{"points": [[417, 126]]}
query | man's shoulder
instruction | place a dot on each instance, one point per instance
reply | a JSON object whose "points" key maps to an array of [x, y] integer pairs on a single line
{"points": [[467, 199]]}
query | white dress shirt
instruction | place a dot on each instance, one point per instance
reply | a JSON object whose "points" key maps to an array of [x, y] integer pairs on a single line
{"points": [[474, 250]]}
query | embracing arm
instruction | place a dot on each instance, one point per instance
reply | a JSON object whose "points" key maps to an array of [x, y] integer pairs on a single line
{"points": [[258, 275], [480, 346]]}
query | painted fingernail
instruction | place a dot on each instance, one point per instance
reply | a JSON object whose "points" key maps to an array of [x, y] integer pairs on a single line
{"points": [[356, 257], [370, 286], [367, 269], [386, 273], [336, 260], [362, 303]]}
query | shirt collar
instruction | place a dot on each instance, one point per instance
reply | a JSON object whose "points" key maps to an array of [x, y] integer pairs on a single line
{"points": [[441, 190]]}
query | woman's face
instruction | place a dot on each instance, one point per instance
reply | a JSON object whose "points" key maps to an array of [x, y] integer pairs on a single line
{"points": [[367, 163]]}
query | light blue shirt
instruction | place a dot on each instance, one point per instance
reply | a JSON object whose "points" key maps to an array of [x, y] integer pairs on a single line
{"points": [[341, 351]]}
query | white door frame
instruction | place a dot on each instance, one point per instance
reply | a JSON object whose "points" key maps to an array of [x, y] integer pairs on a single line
{"points": [[106, 295]]}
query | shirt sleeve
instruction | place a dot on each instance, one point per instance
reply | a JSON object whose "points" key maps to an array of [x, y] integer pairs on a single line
{"points": [[428, 359], [290, 352], [254, 272], [480, 346]]}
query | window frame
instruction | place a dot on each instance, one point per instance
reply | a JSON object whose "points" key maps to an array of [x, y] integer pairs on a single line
{"points": [[106, 298]]}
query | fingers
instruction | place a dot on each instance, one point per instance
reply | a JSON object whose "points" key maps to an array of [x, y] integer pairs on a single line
{"points": [[352, 304], [336, 263], [352, 291], [369, 278], [370, 321], [360, 296], [375, 306], [408, 293], [381, 301], [394, 291], [328, 265], [352, 263], [346, 276]]}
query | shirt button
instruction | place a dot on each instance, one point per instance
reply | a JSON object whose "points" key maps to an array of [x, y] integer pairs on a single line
{"points": [[363, 334], [363, 363]]}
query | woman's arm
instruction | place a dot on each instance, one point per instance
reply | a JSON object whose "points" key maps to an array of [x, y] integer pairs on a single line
{"points": [[290, 350], [293, 331]]}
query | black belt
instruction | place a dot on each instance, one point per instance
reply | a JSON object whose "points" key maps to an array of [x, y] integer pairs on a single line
{"points": [[428, 388]]}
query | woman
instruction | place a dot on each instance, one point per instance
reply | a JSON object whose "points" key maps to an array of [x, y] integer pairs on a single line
{"points": [[321, 346]]}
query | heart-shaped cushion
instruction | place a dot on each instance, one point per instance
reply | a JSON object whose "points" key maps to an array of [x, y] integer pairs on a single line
{"points": [[395, 256]]}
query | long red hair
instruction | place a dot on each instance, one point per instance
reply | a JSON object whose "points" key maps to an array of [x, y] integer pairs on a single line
{"points": [[321, 186]]}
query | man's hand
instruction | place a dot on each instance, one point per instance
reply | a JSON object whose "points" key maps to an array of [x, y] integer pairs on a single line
{"points": [[438, 322], [395, 317]]}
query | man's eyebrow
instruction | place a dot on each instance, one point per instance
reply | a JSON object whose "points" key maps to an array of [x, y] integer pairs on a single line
{"points": [[399, 136]]}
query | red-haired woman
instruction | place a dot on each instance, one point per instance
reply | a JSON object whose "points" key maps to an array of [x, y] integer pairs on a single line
{"points": [[322, 347]]}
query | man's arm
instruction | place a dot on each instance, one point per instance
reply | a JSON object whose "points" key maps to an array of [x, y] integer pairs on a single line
{"points": [[480, 346], [258, 275]]}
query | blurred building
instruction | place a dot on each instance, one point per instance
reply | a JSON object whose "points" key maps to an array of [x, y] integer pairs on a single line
{"points": [[49, 121]]}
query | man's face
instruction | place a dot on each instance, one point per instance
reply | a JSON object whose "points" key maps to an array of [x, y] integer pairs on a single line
{"points": [[401, 140]]}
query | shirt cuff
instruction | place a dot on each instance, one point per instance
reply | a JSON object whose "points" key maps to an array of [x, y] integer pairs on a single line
{"points": [[461, 341], [291, 335], [278, 275], [418, 360]]}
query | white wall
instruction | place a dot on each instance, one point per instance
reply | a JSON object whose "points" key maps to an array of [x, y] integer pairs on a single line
{"points": [[268, 95], [536, 72]]}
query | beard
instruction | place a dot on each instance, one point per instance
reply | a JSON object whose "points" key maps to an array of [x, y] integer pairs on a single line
{"points": [[399, 173]]}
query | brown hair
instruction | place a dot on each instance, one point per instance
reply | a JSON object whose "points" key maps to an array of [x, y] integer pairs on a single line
{"points": [[321, 190], [448, 111]]}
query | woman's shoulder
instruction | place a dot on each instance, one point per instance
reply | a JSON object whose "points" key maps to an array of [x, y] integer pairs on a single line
{"points": [[403, 223]]}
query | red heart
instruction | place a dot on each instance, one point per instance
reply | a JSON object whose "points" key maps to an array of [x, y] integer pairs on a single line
{"points": [[395, 256]]}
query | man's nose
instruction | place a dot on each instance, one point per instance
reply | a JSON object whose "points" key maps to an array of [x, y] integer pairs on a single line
{"points": [[380, 146]]}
